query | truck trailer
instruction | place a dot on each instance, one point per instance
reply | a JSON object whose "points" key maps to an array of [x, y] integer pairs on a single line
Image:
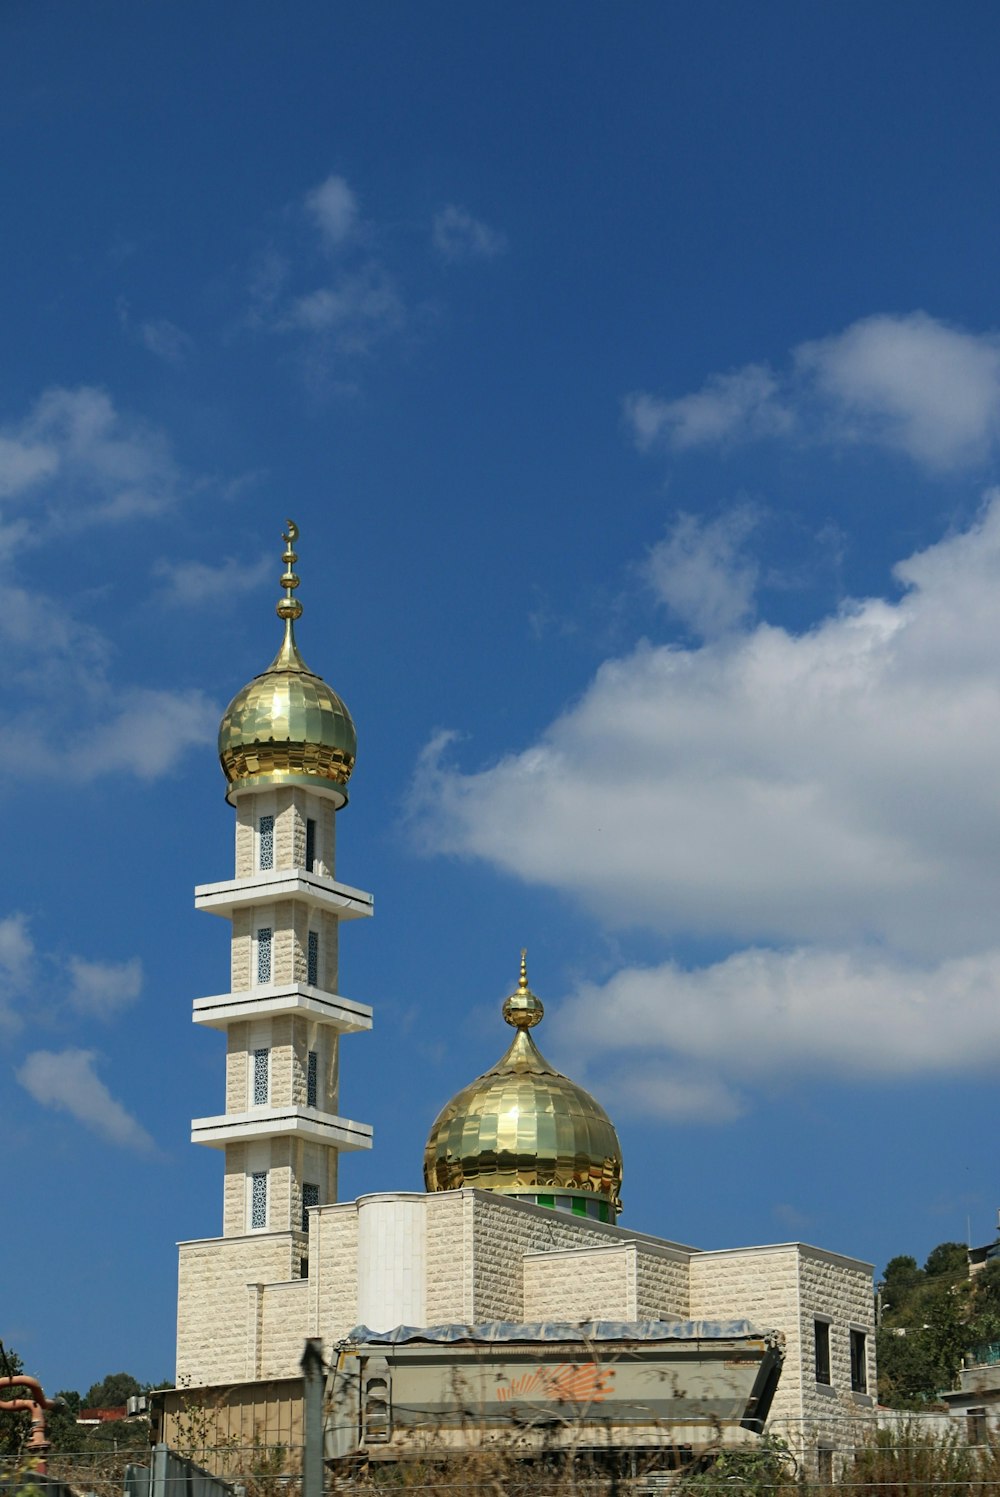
{"points": [[685, 1389]]}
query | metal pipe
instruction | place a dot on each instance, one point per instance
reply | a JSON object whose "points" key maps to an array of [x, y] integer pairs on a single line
{"points": [[39, 1444]]}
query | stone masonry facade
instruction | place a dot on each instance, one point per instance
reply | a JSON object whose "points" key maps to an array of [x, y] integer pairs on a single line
{"points": [[245, 1308]]}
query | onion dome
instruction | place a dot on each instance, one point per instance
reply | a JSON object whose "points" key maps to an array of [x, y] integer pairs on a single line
{"points": [[287, 727], [525, 1129]]}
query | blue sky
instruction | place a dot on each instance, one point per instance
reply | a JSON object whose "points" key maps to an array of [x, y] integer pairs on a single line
{"points": [[633, 376]]}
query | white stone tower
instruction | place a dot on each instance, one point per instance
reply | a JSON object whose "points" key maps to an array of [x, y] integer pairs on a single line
{"points": [[287, 747]]}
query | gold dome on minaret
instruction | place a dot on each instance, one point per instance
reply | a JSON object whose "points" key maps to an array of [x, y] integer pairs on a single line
{"points": [[287, 726], [525, 1129]]}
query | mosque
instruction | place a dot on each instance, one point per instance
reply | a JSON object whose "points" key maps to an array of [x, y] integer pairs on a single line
{"points": [[519, 1218]]}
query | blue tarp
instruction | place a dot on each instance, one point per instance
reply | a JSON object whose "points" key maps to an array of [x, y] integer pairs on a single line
{"points": [[555, 1330]]}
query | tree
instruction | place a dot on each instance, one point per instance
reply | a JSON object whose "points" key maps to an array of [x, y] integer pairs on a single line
{"points": [[949, 1258], [13, 1427], [928, 1318], [112, 1391]]}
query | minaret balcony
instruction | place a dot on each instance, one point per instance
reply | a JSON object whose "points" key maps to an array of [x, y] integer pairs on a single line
{"points": [[305, 1123], [277, 1001], [280, 884]]}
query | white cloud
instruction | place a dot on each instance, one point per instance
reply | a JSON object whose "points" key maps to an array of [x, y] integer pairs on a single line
{"points": [[166, 340], [158, 335], [909, 383], [76, 460], [334, 209], [68, 718], [457, 236], [835, 792], [743, 404], [702, 573], [194, 582], [103, 989], [67, 1082], [761, 1015], [23, 464], [17, 954], [912, 383], [145, 734], [357, 309], [653, 1085]]}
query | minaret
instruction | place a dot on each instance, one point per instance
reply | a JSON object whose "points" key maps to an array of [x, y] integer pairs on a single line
{"points": [[287, 747]]}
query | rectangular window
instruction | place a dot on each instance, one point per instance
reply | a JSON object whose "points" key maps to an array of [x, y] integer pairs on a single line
{"points": [[312, 1080], [312, 960], [310, 1197], [264, 954], [258, 1199], [859, 1362], [824, 1464], [821, 1334], [310, 845], [975, 1426], [265, 842], [261, 1066]]}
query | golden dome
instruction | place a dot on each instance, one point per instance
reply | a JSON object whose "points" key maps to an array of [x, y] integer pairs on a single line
{"points": [[287, 727], [525, 1129]]}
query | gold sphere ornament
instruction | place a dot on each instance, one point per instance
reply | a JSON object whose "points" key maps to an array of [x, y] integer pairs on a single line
{"points": [[525, 1129], [287, 726]]}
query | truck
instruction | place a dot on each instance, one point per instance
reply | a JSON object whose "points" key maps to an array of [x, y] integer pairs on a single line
{"points": [[684, 1390]]}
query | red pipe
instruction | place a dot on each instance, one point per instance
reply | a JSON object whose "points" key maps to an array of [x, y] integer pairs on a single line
{"points": [[39, 1443]]}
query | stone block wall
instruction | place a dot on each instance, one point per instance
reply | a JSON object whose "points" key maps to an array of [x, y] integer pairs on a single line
{"points": [[333, 1271], [504, 1231], [217, 1312], [329, 937], [237, 1066], [663, 1283], [760, 1285], [592, 1283], [785, 1288], [839, 1292], [283, 1318], [449, 1259], [241, 951]]}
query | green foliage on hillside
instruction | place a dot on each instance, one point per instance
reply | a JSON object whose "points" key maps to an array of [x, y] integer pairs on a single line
{"points": [[930, 1318]]}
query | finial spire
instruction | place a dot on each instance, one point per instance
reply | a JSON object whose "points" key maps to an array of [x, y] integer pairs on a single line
{"points": [[522, 1009], [289, 608]]}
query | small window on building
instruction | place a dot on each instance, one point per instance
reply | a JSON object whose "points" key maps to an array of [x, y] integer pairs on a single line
{"points": [[303, 1268], [261, 1066], [312, 1080], [310, 845], [258, 1199], [824, 1462], [264, 954], [975, 1426], [859, 1362], [312, 960], [265, 842], [310, 1197], [821, 1334]]}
